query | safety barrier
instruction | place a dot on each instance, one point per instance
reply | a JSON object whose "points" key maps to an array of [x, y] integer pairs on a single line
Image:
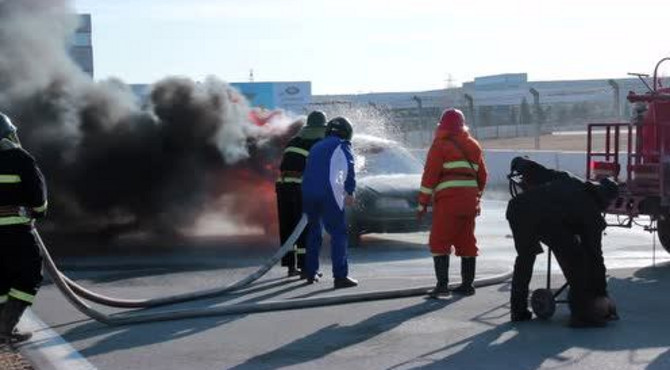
{"points": [[498, 162]]}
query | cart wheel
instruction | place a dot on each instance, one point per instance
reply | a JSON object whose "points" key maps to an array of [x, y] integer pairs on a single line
{"points": [[543, 303]]}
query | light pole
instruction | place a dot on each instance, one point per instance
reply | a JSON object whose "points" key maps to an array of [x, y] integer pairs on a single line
{"points": [[536, 118], [471, 112], [617, 101], [419, 105]]}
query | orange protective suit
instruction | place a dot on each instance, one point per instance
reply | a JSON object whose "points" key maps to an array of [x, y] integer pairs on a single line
{"points": [[455, 175]]}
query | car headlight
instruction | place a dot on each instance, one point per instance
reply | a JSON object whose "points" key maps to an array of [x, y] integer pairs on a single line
{"points": [[392, 203]]}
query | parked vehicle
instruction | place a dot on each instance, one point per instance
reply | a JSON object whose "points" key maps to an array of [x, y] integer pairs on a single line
{"points": [[388, 179], [636, 156]]}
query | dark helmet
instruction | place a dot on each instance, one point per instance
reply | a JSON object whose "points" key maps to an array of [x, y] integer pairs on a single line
{"points": [[604, 192], [526, 173], [341, 127], [316, 119], [7, 129]]}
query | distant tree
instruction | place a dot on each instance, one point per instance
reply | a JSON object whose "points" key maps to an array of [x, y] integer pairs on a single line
{"points": [[626, 112], [542, 114], [525, 116], [562, 115], [583, 110], [485, 115], [513, 116]]}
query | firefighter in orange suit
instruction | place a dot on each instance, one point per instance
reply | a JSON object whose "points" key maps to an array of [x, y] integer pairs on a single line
{"points": [[455, 176]]}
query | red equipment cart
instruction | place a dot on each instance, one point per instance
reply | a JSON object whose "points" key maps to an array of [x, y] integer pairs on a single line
{"points": [[645, 160]]}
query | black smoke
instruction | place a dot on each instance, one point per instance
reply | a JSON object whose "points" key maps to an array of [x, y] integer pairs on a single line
{"points": [[110, 160]]}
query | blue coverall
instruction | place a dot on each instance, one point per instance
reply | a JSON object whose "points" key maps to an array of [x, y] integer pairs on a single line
{"points": [[328, 177]]}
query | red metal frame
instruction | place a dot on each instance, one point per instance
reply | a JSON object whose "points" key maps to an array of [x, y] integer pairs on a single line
{"points": [[647, 156], [633, 193], [609, 154]]}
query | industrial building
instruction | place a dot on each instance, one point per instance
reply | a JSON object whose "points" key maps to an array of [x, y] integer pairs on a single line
{"points": [[81, 44], [502, 105]]}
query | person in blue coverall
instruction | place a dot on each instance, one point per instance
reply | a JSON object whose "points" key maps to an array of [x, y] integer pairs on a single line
{"points": [[328, 184]]}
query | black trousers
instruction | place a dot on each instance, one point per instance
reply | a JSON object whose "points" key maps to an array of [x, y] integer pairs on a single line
{"points": [[582, 266], [289, 204], [20, 262], [576, 242]]}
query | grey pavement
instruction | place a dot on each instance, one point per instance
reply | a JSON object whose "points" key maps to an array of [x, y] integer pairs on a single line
{"points": [[406, 333]]}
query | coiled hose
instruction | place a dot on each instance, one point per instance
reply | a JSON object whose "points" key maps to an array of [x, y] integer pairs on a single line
{"points": [[67, 287]]}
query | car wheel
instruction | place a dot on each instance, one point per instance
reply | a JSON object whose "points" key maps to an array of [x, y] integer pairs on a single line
{"points": [[354, 239], [663, 226], [543, 303]]}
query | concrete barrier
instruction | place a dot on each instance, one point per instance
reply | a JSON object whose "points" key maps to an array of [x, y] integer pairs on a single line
{"points": [[498, 162]]}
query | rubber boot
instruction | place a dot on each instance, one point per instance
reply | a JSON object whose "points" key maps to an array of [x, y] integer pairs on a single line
{"points": [[9, 317], [441, 264], [467, 277], [292, 271], [300, 261]]}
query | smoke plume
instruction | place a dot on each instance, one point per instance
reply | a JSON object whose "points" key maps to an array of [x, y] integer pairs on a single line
{"points": [[114, 162]]}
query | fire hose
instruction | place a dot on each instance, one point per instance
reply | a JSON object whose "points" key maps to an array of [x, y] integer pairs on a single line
{"points": [[74, 293], [154, 302]]}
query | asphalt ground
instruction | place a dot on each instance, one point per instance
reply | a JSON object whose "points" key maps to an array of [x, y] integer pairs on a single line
{"points": [[406, 333]]}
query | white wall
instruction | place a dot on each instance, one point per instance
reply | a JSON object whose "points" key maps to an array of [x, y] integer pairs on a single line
{"points": [[498, 162]]}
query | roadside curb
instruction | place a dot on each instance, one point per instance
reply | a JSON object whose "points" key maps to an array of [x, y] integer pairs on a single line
{"points": [[47, 350]]}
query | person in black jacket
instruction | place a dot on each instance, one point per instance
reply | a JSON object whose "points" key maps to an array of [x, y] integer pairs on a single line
{"points": [[23, 198], [288, 188], [565, 213]]}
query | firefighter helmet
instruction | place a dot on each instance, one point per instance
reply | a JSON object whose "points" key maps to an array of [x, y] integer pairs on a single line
{"points": [[7, 129], [341, 127], [316, 119], [526, 173], [452, 120]]}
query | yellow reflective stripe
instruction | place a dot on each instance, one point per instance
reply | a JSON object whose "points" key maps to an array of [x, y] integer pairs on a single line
{"points": [[301, 250], [14, 220], [426, 190], [461, 164], [293, 149], [457, 184], [293, 180], [3, 298], [10, 179], [41, 208], [14, 293]]}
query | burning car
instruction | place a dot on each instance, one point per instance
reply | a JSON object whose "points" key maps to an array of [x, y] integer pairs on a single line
{"points": [[388, 178]]}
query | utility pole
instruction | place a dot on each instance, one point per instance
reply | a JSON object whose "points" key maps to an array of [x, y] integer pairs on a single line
{"points": [[419, 105], [471, 113], [450, 81], [617, 99], [536, 104]]}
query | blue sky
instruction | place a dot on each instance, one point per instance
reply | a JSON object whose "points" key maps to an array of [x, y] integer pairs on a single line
{"points": [[357, 46]]}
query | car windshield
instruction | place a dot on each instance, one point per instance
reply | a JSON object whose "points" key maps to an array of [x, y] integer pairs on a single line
{"points": [[385, 158]]}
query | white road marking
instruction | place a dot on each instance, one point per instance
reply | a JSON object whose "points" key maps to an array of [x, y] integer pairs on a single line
{"points": [[47, 350]]}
